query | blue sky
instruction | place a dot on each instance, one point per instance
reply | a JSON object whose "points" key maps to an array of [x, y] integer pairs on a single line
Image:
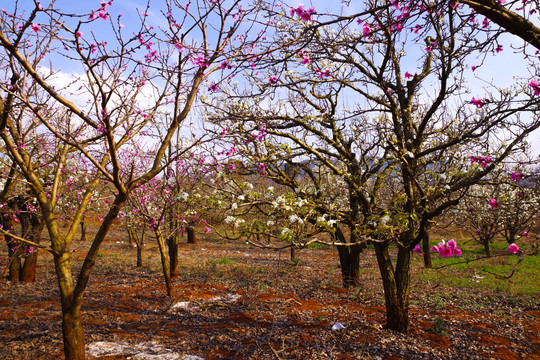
{"points": [[500, 68]]}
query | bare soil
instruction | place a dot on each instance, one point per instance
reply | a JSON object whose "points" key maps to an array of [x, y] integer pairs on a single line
{"points": [[240, 302]]}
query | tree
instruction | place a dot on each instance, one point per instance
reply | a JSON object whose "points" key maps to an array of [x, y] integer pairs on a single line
{"points": [[134, 81], [372, 99], [502, 206], [501, 13]]}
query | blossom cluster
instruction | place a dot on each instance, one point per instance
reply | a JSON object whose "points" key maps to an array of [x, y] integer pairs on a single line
{"points": [[479, 102], [536, 86], [304, 14], [483, 161], [447, 249]]}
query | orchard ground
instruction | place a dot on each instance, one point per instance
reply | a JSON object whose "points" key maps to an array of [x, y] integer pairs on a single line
{"points": [[233, 301]]}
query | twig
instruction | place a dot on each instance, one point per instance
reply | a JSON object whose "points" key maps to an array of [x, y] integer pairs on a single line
{"points": [[274, 351], [18, 238]]}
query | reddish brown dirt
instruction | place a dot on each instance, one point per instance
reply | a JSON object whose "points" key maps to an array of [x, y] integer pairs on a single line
{"points": [[282, 312]]}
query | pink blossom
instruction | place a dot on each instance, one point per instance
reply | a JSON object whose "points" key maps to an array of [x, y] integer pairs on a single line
{"points": [[493, 203], [430, 47], [516, 176], [273, 80], [499, 49], [262, 169], [408, 75], [79, 34], [416, 28], [473, 68], [447, 250], [179, 46], [366, 30], [213, 87], [397, 27], [513, 248], [200, 60], [305, 60], [207, 230], [536, 86], [35, 27], [525, 234], [102, 15], [303, 13], [417, 248], [477, 102], [323, 73]]}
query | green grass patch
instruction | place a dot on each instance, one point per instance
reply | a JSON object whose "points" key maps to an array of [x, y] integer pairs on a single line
{"points": [[254, 269], [316, 245], [222, 261], [213, 240], [485, 273]]}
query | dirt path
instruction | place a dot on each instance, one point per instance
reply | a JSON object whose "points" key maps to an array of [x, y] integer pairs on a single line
{"points": [[236, 302]]}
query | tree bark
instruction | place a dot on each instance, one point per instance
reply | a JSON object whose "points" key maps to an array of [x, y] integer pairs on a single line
{"points": [[83, 231], [507, 19], [487, 247], [28, 273], [73, 335], [425, 250], [164, 260], [139, 255], [14, 264], [396, 283], [72, 328], [349, 259], [294, 259], [172, 243], [191, 238]]}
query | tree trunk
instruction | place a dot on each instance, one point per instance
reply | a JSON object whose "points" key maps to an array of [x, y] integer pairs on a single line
{"points": [[396, 283], [164, 260], [72, 328], [83, 230], [427, 253], [73, 335], [294, 258], [191, 239], [139, 243], [349, 258], [28, 273], [172, 243], [14, 265], [487, 247], [139, 255]]}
